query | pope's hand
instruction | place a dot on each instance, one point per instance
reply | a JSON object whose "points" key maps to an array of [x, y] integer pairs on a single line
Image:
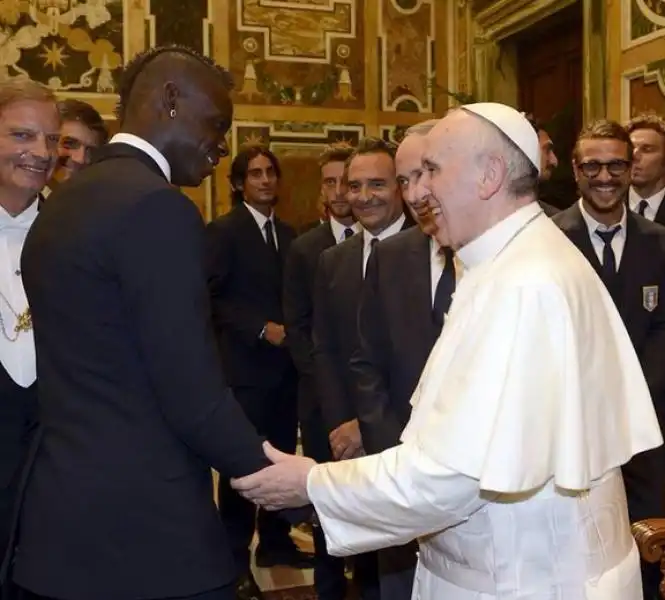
{"points": [[281, 485]]}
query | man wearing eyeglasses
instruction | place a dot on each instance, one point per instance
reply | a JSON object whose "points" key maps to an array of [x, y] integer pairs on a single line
{"points": [[628, 253]]}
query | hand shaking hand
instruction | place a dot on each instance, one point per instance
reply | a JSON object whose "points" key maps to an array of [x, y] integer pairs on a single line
{"points": [[281, 485]]}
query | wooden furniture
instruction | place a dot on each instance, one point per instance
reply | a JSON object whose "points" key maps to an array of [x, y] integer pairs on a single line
{"points": [[650, 537]]}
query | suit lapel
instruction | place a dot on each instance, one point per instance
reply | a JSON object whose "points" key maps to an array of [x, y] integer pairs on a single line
{"points": [[420, 289], [254, 237], [579, 235]]}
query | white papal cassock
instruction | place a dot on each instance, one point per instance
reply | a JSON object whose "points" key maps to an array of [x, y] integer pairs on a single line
{"points": [[509, 470]]}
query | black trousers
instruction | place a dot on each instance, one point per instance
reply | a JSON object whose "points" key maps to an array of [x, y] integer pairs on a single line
{"points": [[329, 579], [273, 411], [330, 582], [223, 593]]}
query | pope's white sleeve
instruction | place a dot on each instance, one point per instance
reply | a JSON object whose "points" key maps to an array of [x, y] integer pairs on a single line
{"points": [[388, 499]]}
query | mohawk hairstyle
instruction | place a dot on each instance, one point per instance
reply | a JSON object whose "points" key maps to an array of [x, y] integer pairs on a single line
{"points": [[136, 65]]}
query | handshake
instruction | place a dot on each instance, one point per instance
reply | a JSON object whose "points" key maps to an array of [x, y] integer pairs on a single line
{"points": [[281, 485]]}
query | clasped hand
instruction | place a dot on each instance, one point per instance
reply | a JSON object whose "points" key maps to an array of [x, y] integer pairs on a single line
{"points": [[281, 485]]}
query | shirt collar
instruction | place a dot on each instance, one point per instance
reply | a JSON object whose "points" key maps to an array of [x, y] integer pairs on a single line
{"points": [[134, 140], [23, 220], [488, 245], [593, 225], [259, 217], [654, 201], [338, 229], [392, 229]]}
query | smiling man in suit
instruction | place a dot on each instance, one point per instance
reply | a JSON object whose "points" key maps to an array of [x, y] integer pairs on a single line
{"points": [[374, 196], [628, 253], [246, 252], [134, 409], [397, 327], [329, 579]]}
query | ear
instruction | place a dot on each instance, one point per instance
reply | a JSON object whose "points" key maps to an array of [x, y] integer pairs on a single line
{"points": [[170, 96], [493, 174], [575, 173]]}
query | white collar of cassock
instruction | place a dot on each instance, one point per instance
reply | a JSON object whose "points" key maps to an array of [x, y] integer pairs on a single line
{"points": [[23, 220], [489, 244]]}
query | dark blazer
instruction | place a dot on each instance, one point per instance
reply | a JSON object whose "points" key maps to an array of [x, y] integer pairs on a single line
{"points": [[338, 283], [642, 268], [396, 333], [299, 274], [245, 285], [548, 209], [133, 406]]}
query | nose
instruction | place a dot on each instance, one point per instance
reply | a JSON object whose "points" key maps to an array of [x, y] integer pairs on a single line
{"points": [[554, 161], [41, 148]]}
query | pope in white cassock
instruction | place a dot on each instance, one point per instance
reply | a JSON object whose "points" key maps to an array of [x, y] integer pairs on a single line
{"points": [[530, 402]]}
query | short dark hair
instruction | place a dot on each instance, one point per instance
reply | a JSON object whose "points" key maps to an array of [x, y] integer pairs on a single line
{"points": [[537, 124], [335, 154], [647, 121], [604, 129], [142, 60], [372, 145], [240, 168], [86, 114]]}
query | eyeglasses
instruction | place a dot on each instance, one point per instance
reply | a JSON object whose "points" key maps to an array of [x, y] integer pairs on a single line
{"points": [[615, 168]]}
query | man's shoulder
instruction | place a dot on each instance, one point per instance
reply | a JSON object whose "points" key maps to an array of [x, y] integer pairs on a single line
{"points": [[567, 218], [645, 227], [407, 239], [339, 254], [319, 237]]}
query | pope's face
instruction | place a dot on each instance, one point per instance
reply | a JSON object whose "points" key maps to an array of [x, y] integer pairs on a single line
{"points": [[451, 179]]}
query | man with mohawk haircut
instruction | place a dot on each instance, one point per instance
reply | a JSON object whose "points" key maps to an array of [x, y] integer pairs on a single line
{"points": [[118, 500]]}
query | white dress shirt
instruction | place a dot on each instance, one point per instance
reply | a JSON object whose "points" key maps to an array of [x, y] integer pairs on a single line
{"points": [[392, 229], [618, 241], [338, 229], [261, 221], [653, 202], [134, 140], [17, 357]]}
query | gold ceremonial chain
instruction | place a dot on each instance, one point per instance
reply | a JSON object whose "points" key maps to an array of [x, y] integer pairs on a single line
{"points": [[23, 321]]}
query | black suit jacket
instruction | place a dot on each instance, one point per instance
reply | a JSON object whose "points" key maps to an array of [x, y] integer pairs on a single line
{"points": [[133, 405], [642, 268], [548, 209], [396, 333], [245, 285], [338, 283], [299, 274]]}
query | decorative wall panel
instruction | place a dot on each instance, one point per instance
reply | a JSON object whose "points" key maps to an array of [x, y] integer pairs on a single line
{"points": [[644, 90], [68, 45], [308, 52], [406, 30], [643, 21], [307, 72], [298, 146], [178, 22]]}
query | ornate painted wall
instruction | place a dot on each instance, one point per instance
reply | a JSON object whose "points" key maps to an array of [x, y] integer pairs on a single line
{"points": [[636, 66], [308, 72]]}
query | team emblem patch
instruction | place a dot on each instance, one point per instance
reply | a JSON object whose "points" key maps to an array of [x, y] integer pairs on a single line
{"points": [[650, 297]]}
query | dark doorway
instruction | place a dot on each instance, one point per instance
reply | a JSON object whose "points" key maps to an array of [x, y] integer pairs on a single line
{"points": [[549, 78]]}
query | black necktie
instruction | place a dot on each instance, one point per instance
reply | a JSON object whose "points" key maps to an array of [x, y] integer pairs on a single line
{"points": [[372, 244], [348, 232], [444, 289], [641, 207], [270, 237], [609, 267]]}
